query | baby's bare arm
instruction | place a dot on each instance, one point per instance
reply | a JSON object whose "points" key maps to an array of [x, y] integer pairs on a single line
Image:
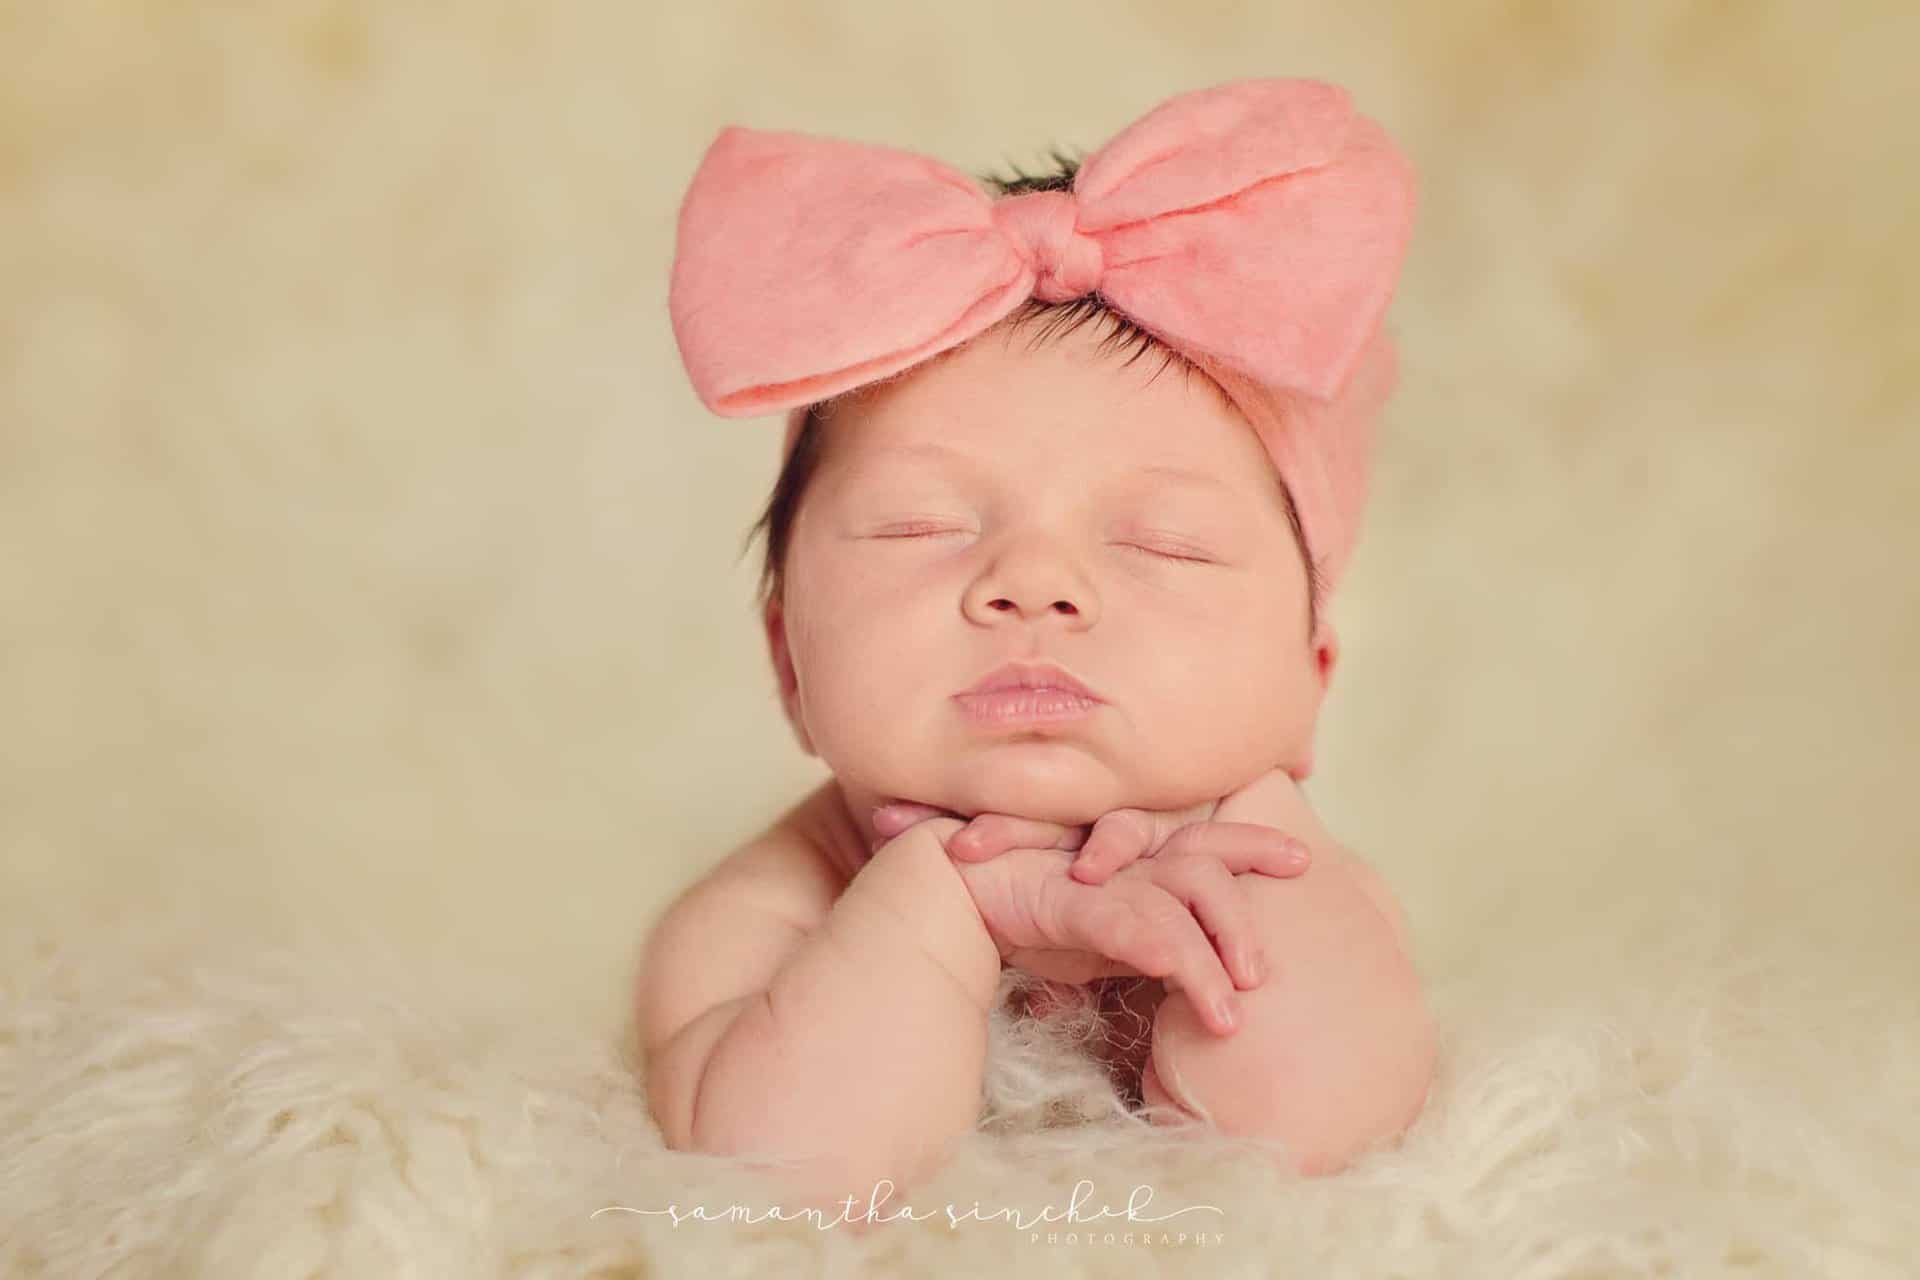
{"points": [[1339, 1048], [864, 1056]]}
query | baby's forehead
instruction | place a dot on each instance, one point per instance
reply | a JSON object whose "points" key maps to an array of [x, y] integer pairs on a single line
{"points": [[1065, 405], [1092, 448], [978, 454]]}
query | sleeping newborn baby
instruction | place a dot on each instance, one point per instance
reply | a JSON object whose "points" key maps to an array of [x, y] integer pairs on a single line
{"points": [[1054, 617]]}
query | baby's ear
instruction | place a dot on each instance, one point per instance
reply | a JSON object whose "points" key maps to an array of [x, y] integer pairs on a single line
{"points": [[1326, 654], [773, 619]]}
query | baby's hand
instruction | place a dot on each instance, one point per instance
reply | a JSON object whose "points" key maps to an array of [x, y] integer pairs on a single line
{"points": [[1151, 919], [1114, 842]]}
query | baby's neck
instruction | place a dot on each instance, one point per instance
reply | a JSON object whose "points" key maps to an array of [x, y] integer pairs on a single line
{"points": [[834, 819]]}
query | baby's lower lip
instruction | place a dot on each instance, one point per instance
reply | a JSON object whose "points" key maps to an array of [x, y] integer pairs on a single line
{"points": [[1025, 706]]}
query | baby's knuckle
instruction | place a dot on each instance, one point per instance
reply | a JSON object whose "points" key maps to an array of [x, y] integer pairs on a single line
{"points": [[1105, 919], [1152, 954], [1167, 917], [1211, 870], [1188, 841], [1184, 872]]}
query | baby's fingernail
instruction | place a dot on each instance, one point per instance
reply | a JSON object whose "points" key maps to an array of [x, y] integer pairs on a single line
{"points": [[1223, 1012]]}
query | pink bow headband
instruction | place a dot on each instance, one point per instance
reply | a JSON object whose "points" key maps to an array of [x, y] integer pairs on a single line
{"points": [[1256, 227]]}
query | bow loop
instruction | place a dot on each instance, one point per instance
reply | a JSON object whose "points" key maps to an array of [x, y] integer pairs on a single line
{"points": [[1210, 144], [1043, 226]]}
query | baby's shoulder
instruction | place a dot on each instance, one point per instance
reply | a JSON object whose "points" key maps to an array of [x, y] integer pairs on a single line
{"points": [[784, 870]]}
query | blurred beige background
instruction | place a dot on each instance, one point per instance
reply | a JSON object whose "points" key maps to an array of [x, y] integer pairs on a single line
{"points": [[368, 569]]}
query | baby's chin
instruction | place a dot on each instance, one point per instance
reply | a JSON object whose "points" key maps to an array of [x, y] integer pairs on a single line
{"points": [[1048, 782]]}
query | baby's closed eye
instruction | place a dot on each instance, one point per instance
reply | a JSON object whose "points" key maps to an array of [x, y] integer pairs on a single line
{"points": [[1165, 550]]}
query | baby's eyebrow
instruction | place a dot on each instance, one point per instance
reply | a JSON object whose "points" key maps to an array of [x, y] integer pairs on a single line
{"points": [[927, 449], [1185, 475]]}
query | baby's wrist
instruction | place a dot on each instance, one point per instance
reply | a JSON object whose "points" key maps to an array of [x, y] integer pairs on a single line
{"points": [[909, 898]]}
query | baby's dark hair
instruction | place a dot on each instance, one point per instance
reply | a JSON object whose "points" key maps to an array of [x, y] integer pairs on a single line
{"points": [[776, 521]]}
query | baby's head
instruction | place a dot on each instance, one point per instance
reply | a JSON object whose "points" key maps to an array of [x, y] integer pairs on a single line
{"points": [[1061, 488], [983, 470]]}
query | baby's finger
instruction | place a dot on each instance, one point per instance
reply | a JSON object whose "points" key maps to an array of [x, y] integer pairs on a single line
{"points": [[1243, 846], [890, 819], [1197, 970], [1118, 839], [1206, 888], [1149, 930], [989, 835]]}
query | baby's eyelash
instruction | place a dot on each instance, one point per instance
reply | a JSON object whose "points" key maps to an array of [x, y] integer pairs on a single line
{"points": [[1169, 555], [917, 533], [1134, 546]]}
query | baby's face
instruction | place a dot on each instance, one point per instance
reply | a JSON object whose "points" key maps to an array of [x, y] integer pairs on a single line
{"points": [[1043, 537]]}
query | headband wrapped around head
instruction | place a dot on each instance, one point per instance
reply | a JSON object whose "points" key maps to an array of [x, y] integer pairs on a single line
{"points": [[1256, 227]]}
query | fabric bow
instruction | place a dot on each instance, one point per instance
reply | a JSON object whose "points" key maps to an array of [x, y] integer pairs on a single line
{"points": [[1257, 227]]}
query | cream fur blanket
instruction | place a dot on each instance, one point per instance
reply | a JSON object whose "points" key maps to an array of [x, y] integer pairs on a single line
{"points": [[374, 662], [1689, 1109]]}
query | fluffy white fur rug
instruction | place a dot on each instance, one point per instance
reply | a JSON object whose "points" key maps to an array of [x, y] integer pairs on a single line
{"points": [[191, 1110]]}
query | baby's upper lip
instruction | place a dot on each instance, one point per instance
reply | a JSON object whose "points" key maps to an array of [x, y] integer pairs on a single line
{"points": [[1030, 675]]}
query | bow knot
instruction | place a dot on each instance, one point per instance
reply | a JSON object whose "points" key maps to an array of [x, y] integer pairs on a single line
{"points": [[1042, 227]]}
